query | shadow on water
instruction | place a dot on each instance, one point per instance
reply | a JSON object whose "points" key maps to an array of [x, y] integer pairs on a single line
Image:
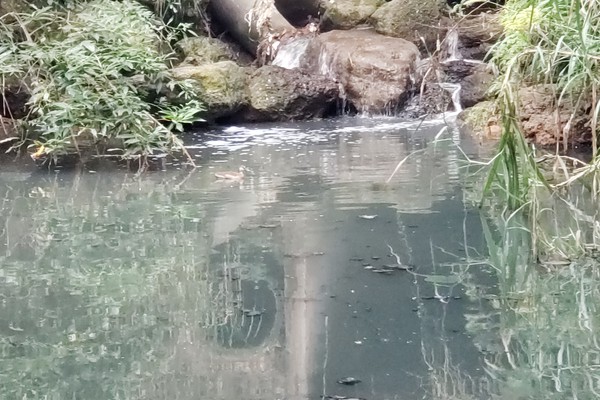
{"points": [[310, 270]]}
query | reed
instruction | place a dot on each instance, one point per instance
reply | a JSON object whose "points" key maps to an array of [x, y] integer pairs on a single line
{"points": [[545, 42]]}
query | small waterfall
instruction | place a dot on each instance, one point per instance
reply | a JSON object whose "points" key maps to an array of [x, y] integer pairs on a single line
{"points": [[290, 54], [451, 54], [451, 43], [454, 90]]}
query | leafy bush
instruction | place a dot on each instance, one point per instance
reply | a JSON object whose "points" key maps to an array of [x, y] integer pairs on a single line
{"points": [[87, 73]]}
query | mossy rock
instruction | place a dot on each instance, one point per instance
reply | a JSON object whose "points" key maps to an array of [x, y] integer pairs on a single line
{"points": [[347, 14], [203, 50], [220, 86], [409, 19], [476, 118], [279, 94]]}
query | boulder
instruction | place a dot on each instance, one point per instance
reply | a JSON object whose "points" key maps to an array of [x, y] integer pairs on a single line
{"points": [[279, 94], [477, 34], [479, 129], [220, 86], [432, 100], [377, 73], [347, 14], [474, 87], [481, 121], [455, 71], [543, 123], [414, 20], [203, 50]]}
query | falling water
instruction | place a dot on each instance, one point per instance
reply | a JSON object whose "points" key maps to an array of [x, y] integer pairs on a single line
{"points": [[290, 53], [454, 90], [451, 43]]}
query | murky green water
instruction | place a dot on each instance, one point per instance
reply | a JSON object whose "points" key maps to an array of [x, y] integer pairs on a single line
{"points": [[178, 286]]}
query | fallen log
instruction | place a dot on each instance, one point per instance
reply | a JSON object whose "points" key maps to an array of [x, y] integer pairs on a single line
{"points": [[250, 22]]}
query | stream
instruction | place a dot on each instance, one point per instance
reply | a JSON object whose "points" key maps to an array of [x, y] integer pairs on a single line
{"points": [[318, 276]]}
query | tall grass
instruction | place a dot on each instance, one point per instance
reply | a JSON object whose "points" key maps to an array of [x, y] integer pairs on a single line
{"points": [[550, 42]]}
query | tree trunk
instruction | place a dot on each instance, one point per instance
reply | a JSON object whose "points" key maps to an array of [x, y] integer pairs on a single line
{"points": [[233, 15]]}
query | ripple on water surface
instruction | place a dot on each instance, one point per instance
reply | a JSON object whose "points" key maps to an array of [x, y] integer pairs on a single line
{"points": [[317, 267]]}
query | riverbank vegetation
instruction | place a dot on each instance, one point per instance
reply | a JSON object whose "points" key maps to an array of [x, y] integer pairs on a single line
{"points": [[549, 44], [97, 77]]}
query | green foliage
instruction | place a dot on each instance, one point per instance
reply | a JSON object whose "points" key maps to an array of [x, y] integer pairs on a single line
{"points": [[557, 43], [87, 71], [553, 42], [513, 170], [550, 42]]}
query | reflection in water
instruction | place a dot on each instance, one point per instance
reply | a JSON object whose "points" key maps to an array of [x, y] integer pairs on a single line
{"points": [[539, 334], [177, 286]]}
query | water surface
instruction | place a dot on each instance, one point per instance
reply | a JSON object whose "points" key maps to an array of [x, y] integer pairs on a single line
{"points": [[174, 285]]}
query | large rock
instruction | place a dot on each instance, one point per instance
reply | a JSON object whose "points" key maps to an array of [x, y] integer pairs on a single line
{"points": [[413, 20], [347, 14], [477, 34], [474, 77], [455, 71], [474, 87], [432, 100], [544, 123], [481, 121], [376, 72], [279, 94], [221, 86], [203, 50], [480, 129]]}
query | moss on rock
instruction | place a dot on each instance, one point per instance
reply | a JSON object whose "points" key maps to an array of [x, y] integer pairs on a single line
{"points": [[408, 19], [221, 86], [279, 94], [346, 14], [204, 50], [476, 118]]}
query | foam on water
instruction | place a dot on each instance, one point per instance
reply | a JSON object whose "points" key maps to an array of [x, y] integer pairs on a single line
{"points": [[235, 138]]}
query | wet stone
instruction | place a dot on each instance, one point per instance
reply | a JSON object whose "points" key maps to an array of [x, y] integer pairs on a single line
{"points": [[348, 381]]}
